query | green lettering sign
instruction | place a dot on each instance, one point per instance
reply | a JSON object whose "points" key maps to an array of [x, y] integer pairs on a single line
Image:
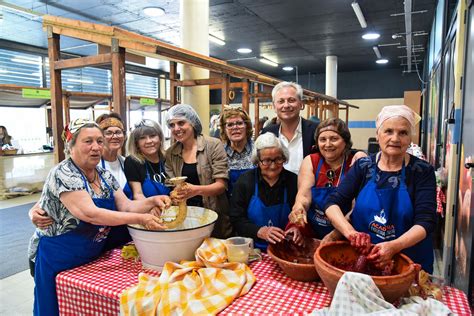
{"points": [[147, 101], [36, 93]]}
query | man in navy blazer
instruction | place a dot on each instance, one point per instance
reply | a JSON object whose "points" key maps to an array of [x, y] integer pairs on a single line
{"points": [[294, 131]]}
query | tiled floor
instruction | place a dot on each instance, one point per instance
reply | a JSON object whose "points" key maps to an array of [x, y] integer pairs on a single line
{"points": [[16, 291]]}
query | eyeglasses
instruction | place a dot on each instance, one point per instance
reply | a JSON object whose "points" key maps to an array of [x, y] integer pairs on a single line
{"points": [[111, 134], [331, 175], [239, 124], [277, 161], [144, 122]]}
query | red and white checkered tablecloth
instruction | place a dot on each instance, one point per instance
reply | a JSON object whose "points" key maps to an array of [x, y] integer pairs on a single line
{"points": [[95, 288]]}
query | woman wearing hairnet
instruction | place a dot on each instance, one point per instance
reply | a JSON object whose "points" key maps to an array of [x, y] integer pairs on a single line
{"points": [[203, 161]]}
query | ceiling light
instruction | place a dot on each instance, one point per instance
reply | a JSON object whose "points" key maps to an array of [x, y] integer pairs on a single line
{"points": [[268, 62], [381, 61], [359, 14], [377, 52], [288, 68], [244, 50], [370, 36], [154, 11], [216, 40]]}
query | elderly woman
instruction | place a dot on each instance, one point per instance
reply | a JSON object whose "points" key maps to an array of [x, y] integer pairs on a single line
{"points": [[320, 174], [145, 166], [81, 198], [395, 196], [262, 198], [114, 137], [236, 133], [5, 138], [203, 161]]}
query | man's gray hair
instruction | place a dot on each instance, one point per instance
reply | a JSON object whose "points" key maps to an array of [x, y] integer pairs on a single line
{"points": [[268, 140], [286, 84]]}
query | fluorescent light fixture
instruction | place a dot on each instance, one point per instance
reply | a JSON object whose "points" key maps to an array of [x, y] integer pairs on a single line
{"points": [[25, 61], [154, 11], [381, 61], [216, 40], [288, 68], [244, 50], [370, 36], [377, 52], [83, 81], [268, 62], [359, 14]]}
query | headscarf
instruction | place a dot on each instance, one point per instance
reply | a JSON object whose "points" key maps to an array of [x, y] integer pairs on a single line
{"points": [[73, 127], [186, 112], [111, 122], [390, 111]]}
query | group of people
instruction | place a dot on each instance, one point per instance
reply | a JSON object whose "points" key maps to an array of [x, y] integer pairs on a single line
{"points": [[297, 179]]}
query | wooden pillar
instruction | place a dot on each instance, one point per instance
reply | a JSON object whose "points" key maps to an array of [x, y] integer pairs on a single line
{"points": [[56, 95], [225, 91], [173, 86], [118, 79], [245, 95], [66, 106], [347, 114]]}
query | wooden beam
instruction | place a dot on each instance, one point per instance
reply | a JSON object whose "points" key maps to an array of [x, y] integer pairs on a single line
{"points": [[198, 82], [66, 107], [262, 95], [173, 87], [245, 95], [232, 85], [225, 91], [118, 80], [88, 61], [56, 95]]}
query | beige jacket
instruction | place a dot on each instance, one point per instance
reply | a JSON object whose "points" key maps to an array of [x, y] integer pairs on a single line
{"points": [[211, 164]]}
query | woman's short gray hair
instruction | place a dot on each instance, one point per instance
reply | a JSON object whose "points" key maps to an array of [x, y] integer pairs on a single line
{"points": [[286, 84], [185, 112], [268, 140], [144, 128]]}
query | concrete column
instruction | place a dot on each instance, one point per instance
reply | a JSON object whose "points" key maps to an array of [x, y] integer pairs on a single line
{"points": [[331, 78], [195, 37]]}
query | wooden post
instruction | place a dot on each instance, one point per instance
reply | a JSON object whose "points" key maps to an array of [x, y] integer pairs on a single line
{"points": [[56, 94], [245, 95], [118, 80], [225, 91], [173, 87], [66, 106]]}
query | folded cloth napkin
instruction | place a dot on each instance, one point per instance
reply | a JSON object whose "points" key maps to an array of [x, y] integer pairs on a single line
{"points": [[357, 294], [205, 286]]}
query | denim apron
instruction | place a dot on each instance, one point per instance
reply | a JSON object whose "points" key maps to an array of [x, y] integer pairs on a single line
{"points": [[386, 214], [262, 215], [72, 249], [118, 235], [316, 217]]}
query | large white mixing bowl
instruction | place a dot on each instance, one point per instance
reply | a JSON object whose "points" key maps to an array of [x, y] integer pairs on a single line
{"points": [[159, 246]]}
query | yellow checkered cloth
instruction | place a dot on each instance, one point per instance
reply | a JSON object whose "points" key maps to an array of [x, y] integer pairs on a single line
{"points": [[205, 286]]}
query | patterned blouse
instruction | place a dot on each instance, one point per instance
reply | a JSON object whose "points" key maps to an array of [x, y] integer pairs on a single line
{"points": [[239, 161], [65, 177]]}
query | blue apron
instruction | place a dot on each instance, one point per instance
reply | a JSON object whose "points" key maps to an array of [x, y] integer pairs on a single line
{"points": [[386, 214], [316, 216], [151, 187], [118, 235], [262, 215], [234, 175], [72, 249]]}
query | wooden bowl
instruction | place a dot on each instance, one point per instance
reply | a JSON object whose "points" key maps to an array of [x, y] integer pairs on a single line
{"points": [[8, 152], [392, 287], [296, 262]]}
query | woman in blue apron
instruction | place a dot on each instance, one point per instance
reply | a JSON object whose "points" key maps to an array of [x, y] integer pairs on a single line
{"points": [[144, 167], [236, 134], [395, 193], [75, 194], [261, 201], [320, 174]]}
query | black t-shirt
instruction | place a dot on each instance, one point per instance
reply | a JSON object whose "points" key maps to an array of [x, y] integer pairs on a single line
{"points": [[136, 171], [190, 170]]}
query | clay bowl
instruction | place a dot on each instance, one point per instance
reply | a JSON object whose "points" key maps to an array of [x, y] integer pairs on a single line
{"points": [[392, 287], [296, 262]]}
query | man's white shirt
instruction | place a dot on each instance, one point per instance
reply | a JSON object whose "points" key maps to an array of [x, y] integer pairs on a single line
{"points": [[295, 147]]}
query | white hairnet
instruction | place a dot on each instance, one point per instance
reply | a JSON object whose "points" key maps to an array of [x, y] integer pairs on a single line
{"points": [[268, 140], [185, 112]]}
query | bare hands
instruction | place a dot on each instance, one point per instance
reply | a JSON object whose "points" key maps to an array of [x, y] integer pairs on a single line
{"points": [[162, 201], [298, 216], [360, 241], [271, 234], [183, 192], [295, 235], [40, 218], [381, 254], [152, 222]]}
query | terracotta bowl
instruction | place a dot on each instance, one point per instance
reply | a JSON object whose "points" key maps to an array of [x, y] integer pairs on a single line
{"points": [[392, 287], [296, 262]]}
